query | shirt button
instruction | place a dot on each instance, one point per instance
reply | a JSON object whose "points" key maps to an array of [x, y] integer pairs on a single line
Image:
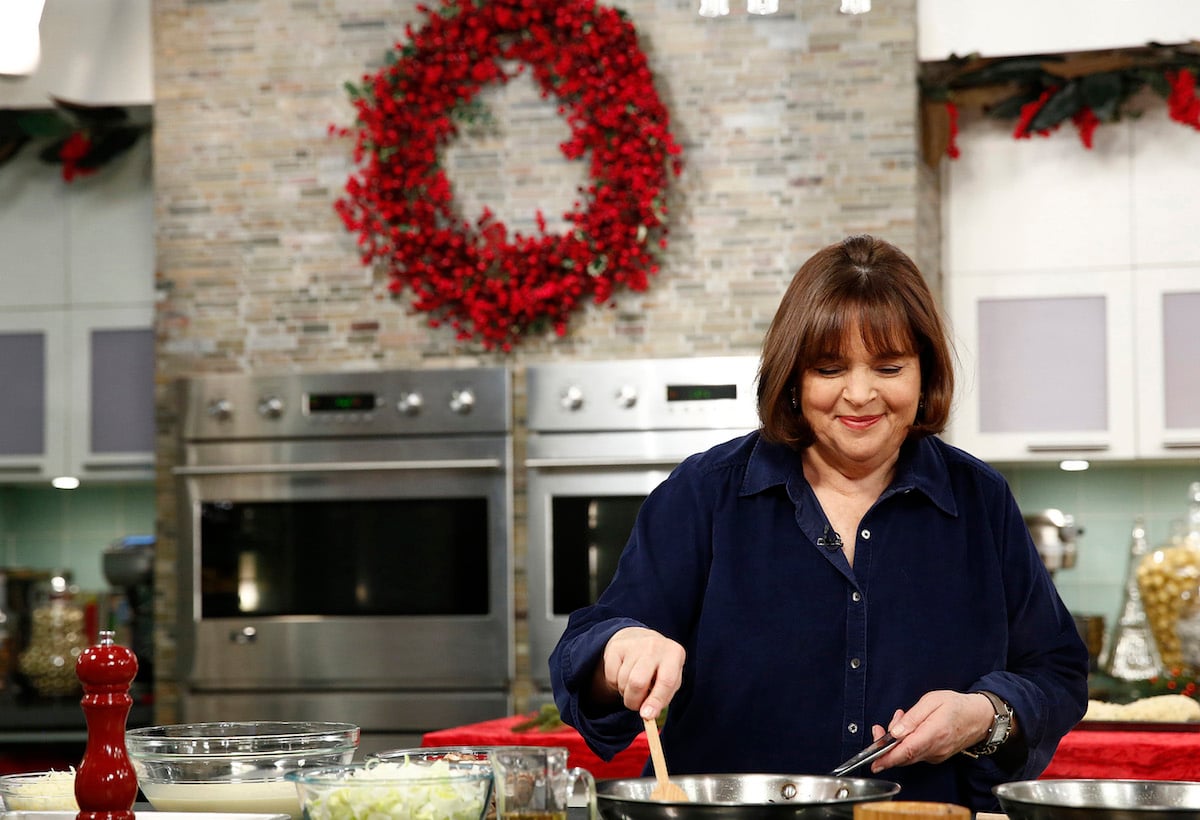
{"points": [[866, 535], [852, 728], [855, 596], [855, 663]]}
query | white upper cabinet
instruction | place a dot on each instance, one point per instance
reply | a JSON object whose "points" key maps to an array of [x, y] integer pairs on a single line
{"points": [[32, 234], [962, 27], [77, 321], [110, 220], [1072, 283], [1045, 369]]}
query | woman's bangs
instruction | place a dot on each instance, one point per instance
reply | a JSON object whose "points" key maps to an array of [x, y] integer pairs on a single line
{"points": [[886, 330]]}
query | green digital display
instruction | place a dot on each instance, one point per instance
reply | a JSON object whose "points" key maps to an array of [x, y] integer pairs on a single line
{"points": [[700, 392], [340, 402]]}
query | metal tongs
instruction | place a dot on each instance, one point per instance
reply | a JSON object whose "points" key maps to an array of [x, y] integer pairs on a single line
{"points": [[866, 755]]}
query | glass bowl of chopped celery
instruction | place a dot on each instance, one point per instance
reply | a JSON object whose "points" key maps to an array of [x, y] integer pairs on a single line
{"points": [[430, 789], [39, 791]]}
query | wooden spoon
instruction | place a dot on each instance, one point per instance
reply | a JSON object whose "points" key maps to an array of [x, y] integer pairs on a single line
{"points": [[665, 791]]}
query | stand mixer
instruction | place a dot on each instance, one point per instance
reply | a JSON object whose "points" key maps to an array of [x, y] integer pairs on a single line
{"points": [[128, 565]]}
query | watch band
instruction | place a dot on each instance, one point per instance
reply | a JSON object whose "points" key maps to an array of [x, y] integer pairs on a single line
{"points": [[1001, 727]]}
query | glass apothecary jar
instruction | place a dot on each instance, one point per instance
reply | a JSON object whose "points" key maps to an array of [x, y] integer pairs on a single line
{"points": [[1169, 583], [57, 637]]}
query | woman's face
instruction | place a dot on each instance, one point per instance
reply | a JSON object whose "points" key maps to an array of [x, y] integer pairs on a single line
{"points": [[860, 406]]}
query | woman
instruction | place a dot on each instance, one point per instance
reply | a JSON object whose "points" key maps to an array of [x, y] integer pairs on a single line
{"points": [[793, 593]]}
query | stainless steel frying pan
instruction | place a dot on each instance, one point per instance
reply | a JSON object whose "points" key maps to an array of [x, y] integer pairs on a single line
{"points": [[742, 797]]}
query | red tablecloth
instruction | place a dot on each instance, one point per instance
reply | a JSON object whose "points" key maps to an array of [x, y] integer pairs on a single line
{"points": [[1083, 753], [1155, 755], [500, 732]]}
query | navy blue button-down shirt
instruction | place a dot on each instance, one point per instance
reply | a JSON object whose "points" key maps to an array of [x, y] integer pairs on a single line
{"points": [[792, 654]]}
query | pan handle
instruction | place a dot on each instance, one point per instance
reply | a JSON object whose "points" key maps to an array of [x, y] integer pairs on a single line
{"points": [[866, 755]]}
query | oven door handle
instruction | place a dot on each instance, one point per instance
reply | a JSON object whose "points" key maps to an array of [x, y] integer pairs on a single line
{"points": [[648, 461], [342, 467]]}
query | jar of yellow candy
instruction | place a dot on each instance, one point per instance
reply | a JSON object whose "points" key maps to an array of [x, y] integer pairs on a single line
{"points": [[1169, 581]]}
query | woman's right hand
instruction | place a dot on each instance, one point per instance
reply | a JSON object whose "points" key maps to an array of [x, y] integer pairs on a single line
{"points": [[642, 669]]}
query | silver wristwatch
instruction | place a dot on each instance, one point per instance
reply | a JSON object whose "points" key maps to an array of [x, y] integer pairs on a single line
{"points": [[1001, 728]]}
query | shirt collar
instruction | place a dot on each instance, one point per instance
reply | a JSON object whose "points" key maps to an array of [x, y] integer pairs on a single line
{"points": [[921, 467]]}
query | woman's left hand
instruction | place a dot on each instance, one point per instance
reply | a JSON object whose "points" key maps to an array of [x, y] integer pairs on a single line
{"points": [[938, 726]]}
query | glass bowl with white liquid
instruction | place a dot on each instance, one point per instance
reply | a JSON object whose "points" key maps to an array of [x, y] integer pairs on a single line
{"points": [[236, 767]]}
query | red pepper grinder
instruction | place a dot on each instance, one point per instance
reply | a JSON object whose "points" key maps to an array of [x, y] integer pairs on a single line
{"points": [[106, 784]]}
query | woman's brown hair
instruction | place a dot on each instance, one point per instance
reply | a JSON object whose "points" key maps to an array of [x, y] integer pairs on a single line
{"points": [[861, 281]]}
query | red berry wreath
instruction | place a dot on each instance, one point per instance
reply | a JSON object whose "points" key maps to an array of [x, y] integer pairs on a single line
{"points": [[489, 286]]}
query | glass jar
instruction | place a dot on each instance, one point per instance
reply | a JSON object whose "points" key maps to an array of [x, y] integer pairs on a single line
{"points": [[1169, 582], [56, 639]]}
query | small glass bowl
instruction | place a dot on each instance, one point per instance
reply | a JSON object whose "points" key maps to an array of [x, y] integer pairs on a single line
{"points": [[38, 791], [433, 790]]}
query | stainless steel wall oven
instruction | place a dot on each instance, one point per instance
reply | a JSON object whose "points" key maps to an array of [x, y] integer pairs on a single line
{"points": [[345, 551], [601, 436]]}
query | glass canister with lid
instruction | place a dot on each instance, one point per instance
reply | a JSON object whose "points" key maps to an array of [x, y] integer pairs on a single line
{"points": [[57, 637], [1169, 581]]}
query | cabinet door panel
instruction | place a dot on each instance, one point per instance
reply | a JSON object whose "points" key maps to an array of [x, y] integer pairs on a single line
{"points": [[33, 432], [32, 233], [110, 220], [112, 423], [1168, 322], [1023, 206], [1042, 365], [1046, 366], [23, 374], [1166, 175], [1181, 360], [122, 391]]}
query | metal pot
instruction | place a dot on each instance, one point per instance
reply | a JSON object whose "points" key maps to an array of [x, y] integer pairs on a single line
{"points": [[742, 797], [1100, 800]]}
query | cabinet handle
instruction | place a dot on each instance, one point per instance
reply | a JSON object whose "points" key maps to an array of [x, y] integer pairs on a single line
{"points": [[1180, 444], [1089, 446]]}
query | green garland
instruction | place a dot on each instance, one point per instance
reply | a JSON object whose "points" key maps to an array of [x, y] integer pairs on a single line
{"points": [[81, 139], [1042, 92]]}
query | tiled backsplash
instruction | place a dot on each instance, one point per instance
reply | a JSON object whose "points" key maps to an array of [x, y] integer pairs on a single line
{"points": [[1104, 501], [44, 528]]}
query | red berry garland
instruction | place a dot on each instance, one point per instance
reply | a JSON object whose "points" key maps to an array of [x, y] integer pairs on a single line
{"points": [[490, 286]]}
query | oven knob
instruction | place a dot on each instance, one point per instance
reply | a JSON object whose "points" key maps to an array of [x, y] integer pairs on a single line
{"points": [[572, 398], [271, 407], [461, 401], [220, 409], [409, 403], [627, 395]]}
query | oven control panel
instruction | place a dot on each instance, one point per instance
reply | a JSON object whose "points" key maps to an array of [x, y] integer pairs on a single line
{"points": [[714, 392], [351, 403]]}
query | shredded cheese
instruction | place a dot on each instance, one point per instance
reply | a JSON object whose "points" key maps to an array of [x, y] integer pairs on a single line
{"points": [[49, 791]]}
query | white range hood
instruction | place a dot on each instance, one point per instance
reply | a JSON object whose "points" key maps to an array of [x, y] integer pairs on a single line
{"points": [[1006, 28], [94, 52]]}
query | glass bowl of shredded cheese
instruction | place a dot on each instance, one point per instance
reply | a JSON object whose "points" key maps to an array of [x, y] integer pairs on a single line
{"points": [[39, 791]]}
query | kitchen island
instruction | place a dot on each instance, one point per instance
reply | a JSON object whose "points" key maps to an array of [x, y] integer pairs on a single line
{"points": [[1106, 751]]}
